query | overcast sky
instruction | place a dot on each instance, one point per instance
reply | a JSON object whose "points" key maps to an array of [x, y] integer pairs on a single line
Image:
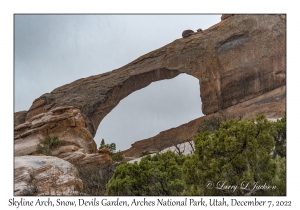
{"points": [[53, 50]]}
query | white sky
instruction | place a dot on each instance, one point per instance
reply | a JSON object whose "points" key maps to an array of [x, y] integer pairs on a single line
{"points": [[53, 50]]}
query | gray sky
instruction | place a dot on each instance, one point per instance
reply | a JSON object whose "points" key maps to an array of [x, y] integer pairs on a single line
{"points": [[53, 50]]}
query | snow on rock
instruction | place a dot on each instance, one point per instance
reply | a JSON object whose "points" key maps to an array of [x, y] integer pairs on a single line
{"points": [[184, 148]]}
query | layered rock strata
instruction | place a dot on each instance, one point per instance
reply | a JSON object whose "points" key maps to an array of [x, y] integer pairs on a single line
{"points": [[67, 123], [45, 175]]}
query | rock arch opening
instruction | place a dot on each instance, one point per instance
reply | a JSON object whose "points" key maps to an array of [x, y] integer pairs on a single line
{"points": [[144, 113]]}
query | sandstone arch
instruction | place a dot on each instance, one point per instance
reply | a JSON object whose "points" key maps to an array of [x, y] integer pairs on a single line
{"points": [[225, 58], [236, 60]]}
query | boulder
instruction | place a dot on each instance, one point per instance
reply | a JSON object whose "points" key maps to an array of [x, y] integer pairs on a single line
{"points": [[187, 33], [45, 175]]}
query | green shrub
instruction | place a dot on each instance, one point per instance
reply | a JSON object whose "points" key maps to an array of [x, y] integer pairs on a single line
{"points": [[46, 145], [115, 156], [238, 152], [210, 125], [156, 175], [280, 137], [111, 147]]}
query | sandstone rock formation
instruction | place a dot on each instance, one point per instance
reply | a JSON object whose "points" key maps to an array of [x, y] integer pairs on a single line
{"points": [[235, 60], [69, 126], [44, 175], [240, 64]]}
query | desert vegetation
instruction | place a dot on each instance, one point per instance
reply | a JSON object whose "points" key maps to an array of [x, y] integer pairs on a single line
{"points": [[160, 174], [95, 176], [248, 154], [46, 145], [116, 156]]}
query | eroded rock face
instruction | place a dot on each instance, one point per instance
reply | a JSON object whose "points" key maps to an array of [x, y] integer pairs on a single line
{"points": [[69, 126], [235, 60], [44, 175]]}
